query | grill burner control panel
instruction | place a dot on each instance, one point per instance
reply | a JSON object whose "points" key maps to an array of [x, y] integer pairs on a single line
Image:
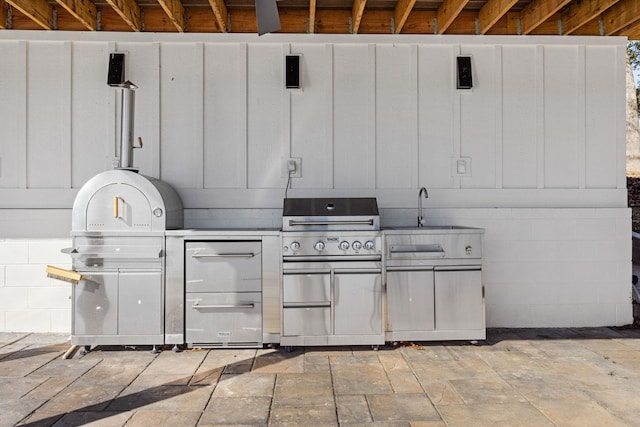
{"points": [[318, 244]]}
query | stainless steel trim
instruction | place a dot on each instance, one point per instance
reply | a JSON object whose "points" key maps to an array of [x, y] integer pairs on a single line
{"points": [[308, 271], [196, 306], [411, 268], [293, 222], [227, 255], [331, 258], [306, 304], [356, 270], [436, 251], [458, 268], [112, 255]]}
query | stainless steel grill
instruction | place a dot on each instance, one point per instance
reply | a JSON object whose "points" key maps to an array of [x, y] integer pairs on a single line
{"points": [[332, 263]]}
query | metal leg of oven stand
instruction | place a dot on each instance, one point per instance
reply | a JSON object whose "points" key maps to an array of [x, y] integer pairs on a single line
{"points": [[155, 350], [86, 349], [176, 349]]}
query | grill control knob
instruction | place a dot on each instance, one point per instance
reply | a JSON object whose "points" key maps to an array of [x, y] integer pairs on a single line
{"points": [[319, 245], [369, 245], [356, 245], [294, 246], [344, 245]]}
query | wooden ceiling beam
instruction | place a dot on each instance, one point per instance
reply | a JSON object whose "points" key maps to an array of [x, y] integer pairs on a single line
{"points": [[312, 16], [620, 15], [401, 13], [582, 11], [632, 31], [220, 12], [83, 10], [175, 12], [39, 11], [491, 13], [129, 11], [537, 12], [4, 14], [448, 12], [356, 15]]}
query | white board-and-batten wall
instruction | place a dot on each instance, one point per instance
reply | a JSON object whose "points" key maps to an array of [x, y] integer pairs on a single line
{"points": [[542, 135]]}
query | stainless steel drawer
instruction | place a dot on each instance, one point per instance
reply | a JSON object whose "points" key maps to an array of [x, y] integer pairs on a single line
{"points": [[228, 266], [224, 318], [307, 321], [306, 288]]}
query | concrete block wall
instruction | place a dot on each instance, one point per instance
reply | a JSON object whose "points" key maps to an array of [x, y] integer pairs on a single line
{"points": [[548, 267], [561, 267], [29, 300]]}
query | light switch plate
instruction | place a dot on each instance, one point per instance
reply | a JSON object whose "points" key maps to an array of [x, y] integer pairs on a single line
{"points": [[461, 166]]}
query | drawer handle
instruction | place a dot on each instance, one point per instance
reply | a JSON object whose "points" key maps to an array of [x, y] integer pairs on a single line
{"points": [[197, 306], [227, 255]]}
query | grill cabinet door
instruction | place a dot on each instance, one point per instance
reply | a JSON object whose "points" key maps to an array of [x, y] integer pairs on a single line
{"points": [[358, 304]]}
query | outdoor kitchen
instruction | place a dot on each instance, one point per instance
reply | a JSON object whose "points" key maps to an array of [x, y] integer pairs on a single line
{"points": [[326, 210]]}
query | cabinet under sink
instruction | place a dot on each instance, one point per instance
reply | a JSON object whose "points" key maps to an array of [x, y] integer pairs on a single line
{"points": [[434, 288]]}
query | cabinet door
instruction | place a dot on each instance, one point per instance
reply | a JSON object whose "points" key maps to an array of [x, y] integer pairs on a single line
{"points": [[140, 303], [358, 304], [459, 300], [410, 301], [95, 310]]}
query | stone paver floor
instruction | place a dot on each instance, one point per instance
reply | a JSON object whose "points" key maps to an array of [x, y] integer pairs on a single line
{"points": [[518, 377]]}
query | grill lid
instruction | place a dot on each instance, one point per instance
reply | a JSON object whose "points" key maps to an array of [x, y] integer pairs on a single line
{"points": [[349, 213], [347, 206]]}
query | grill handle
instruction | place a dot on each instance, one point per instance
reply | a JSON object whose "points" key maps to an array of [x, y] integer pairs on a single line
{"points": [[293, 222], [197, 306], [226, 255]]}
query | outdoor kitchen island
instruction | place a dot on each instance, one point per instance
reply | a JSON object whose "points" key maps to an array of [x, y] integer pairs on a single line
{"points": [[228, 288]]}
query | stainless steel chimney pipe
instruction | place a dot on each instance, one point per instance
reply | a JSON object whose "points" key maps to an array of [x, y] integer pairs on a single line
{"points": [[127, 113]]}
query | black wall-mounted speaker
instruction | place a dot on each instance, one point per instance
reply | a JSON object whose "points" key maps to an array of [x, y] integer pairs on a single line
{"points": [[292, 72], [115, 76], [464, 80]]}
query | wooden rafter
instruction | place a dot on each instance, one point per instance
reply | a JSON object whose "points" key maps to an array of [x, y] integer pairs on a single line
{"points": [[39, 11], [83, 10], [129, 11], [491, 13], [537, 12], [580, 12], [632, 31], [175, 12], [3, 14], [620, 15], [401, 13], [448, 12], [220, 12], [312, 16], [356, 14]]}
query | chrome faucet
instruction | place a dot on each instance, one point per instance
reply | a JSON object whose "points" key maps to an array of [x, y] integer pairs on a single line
{"points": [[426, 196]]}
